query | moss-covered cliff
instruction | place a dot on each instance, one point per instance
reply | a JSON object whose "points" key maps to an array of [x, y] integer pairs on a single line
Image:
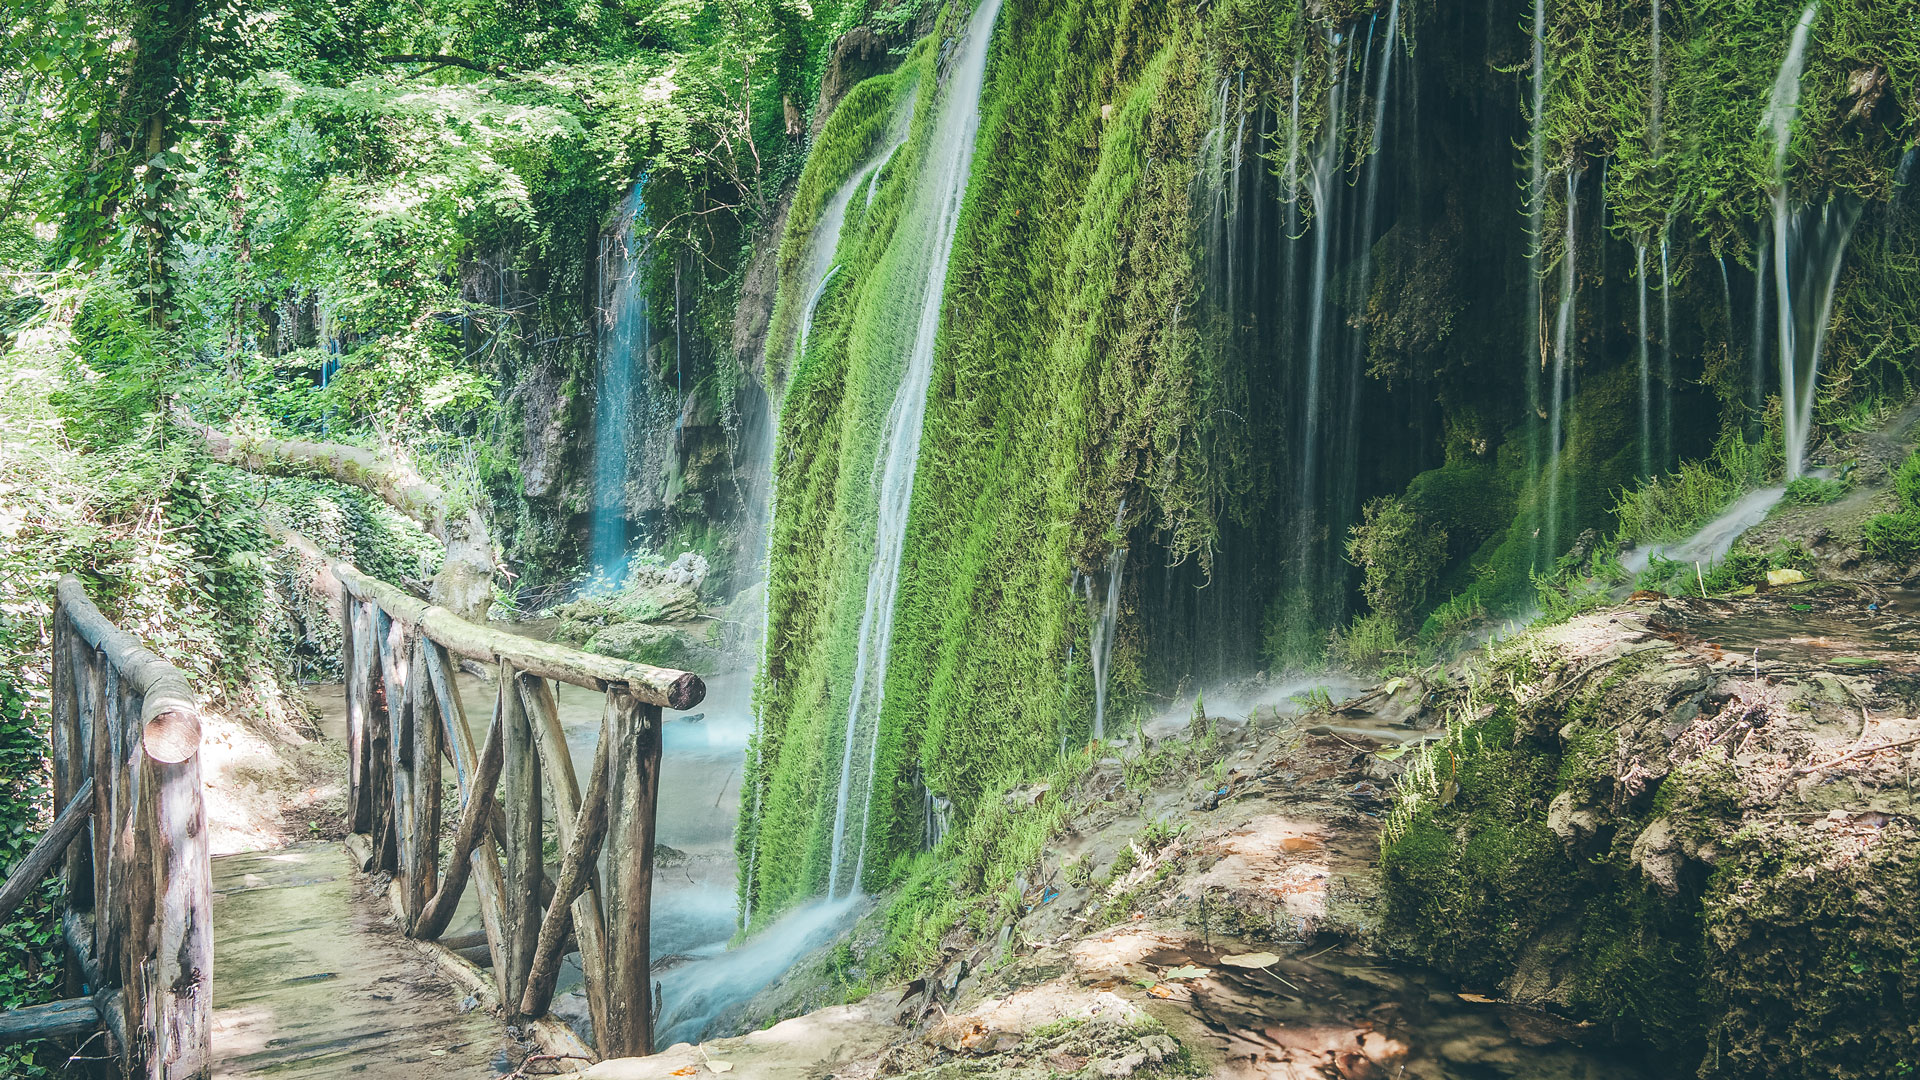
{"points": [[1226, 272]]}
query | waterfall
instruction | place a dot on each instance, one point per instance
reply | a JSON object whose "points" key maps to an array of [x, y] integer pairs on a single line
{"points": [[824, 242], [1532, 355], [623, 340], [1809, 247], [1323, 175], [944, 187], [820, 270], [1346, 496], [1783, 105], [1646, 367], [1105, 622], [873, 185], [1666, 354], [1562, 364]]}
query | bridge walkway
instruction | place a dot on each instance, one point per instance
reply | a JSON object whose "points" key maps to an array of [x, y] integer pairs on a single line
{"points": [[312, 980]]}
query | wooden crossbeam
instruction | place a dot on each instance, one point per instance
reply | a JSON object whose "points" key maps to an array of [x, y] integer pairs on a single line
{"points": [[29, 872]]}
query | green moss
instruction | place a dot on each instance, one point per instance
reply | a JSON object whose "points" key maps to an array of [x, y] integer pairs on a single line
{"points": [[1813, 973], [1477, 874], [1896, 535], [1048, 354]]}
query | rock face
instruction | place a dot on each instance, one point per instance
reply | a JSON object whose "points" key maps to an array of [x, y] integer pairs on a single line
{"points": [[1689, 819]]}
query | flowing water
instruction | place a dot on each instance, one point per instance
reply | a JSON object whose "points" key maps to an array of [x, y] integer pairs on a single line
{"points": [[1106, 619], [941, 192], [1666, 354], [624, 336], [1808, 248], [1646, 365], [1716, 537], [1560, 389], [695, 994], [820, 270]]}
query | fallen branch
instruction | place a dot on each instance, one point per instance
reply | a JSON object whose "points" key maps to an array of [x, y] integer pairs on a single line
{"points": [[464, 585]]}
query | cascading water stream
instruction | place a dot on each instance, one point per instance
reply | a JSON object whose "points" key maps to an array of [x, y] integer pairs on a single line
{"points": [[1562, 362], [1346, 496], [821, 268], [1532, 355], [873, 185], [1323, 176], [624, 337], [1666, 353], [944, 187], [1783, 105], [1646, 364], [1106, 621]]}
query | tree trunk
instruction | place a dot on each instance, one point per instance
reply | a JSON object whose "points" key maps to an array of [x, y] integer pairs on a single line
{"points": [[464, 585]]}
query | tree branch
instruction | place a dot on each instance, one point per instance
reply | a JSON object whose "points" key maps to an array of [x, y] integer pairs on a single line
{"points": [[465, 582]]}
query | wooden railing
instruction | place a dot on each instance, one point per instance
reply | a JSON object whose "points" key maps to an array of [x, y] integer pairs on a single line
{"points": [[405, 717], [130, 840]]}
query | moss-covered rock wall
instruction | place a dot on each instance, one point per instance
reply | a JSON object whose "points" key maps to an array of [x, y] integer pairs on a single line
{"points": [[1224, 273]]}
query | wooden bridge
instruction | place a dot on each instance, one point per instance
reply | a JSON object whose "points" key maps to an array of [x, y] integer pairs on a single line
{"points": [[181, 988]]}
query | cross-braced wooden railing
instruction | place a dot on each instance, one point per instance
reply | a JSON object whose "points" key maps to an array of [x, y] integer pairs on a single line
{"points": [[130, 840], [405, 716]]}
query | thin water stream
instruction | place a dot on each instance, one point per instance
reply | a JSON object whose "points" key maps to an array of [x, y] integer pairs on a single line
{"points": [[940, 196]]}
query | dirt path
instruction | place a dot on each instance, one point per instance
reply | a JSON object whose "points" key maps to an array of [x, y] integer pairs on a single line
{"points": [[313, 980]]}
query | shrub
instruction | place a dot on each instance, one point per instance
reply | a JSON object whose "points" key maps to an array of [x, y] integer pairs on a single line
{"points": [[1399, 557]]}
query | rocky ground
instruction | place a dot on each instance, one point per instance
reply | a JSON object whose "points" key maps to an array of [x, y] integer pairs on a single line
{"points": [[1207, 909]]}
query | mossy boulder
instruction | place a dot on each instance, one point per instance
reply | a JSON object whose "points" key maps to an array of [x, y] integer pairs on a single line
{"points": [[1627, 830], [647, 643]]}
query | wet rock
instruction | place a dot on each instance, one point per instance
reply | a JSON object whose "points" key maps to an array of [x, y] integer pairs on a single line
{"points": [[1573, 825], [1657, 852], [645, 643]]}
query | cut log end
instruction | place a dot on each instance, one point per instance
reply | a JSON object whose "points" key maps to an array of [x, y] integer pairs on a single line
{"points": [[686, 691], [172, 736]]}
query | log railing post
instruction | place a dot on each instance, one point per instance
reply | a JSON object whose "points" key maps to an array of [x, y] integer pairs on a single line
{"points": [[556, 765], [423, 780], [379, 740], [179, 1014], [126, 741], [633, 762], [525, 867], [356, 669]]}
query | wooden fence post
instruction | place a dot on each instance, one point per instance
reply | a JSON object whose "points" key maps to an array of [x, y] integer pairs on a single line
{"points": [[356, 670], [633, 762], [525, 866], [180, 996]]}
